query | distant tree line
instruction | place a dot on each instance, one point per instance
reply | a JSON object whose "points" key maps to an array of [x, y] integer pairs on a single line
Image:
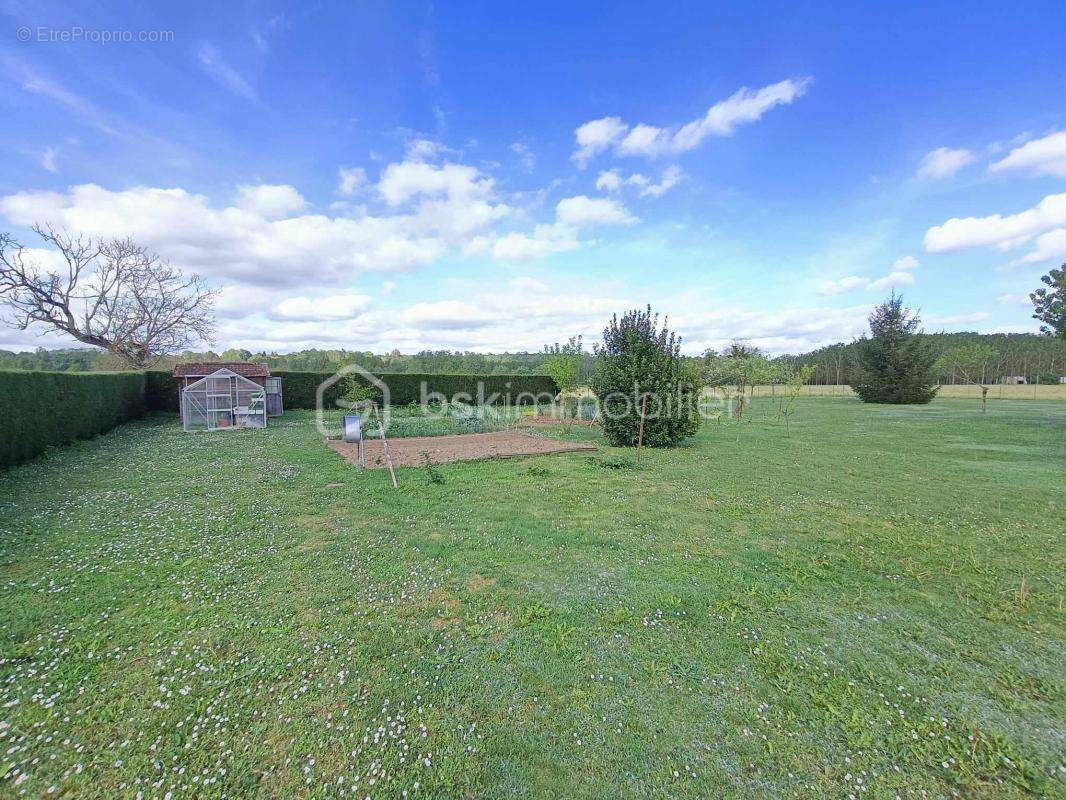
{"points": [[1019, 354], [70, 359], [427, 361], [1024, 355]]}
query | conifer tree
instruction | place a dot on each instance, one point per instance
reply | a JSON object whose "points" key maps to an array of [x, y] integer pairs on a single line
{"points": [[895, 364]]}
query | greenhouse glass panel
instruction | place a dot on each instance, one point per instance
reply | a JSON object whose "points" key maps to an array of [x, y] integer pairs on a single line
{"points": [[223, 400]]}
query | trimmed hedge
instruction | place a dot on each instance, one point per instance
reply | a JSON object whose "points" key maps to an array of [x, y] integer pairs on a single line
{"points": [[160, 391], [39, 410], [298, 388]]}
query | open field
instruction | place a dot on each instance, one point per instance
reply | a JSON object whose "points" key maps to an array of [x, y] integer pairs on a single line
{"points": [[872, 607], [996, 392]]}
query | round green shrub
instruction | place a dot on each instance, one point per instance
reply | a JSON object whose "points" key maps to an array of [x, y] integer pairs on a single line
{"points": [[639, 360]]}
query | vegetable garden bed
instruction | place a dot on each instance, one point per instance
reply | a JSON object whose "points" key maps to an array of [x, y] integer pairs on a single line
{"points": [[411, 451]]}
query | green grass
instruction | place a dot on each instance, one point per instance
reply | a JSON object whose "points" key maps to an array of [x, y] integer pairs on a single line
{"points": [[873, 607]]}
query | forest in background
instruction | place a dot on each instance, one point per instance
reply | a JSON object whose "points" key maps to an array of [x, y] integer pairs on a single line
{"points": [[1021, 354], [1034, 357]]}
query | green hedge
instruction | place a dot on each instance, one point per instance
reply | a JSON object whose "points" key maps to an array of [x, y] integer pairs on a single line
{"points": [[39, 410], [160, 391], [298, 388]]}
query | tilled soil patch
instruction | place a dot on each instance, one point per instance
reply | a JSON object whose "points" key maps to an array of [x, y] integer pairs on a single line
{"points": [[408, 452], [546, 421]]}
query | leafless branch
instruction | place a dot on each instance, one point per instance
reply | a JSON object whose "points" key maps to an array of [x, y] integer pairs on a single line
{"points": [[113, 294]]}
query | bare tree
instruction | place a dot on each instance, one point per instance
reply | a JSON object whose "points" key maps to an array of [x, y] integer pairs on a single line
{"points": [[973, 363], [112, 294]]}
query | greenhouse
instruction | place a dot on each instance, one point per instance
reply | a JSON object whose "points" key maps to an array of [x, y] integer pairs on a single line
{"points": [[223, 400]]}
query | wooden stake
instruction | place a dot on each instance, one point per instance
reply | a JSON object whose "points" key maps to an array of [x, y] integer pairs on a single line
{"points": [[640, 433], [385, 450]]}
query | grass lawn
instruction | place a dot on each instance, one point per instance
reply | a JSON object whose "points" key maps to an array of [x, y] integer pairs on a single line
{"points": [[873, 607]]}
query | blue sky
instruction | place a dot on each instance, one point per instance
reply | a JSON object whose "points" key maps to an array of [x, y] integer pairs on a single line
{"points": [[490, 176]]}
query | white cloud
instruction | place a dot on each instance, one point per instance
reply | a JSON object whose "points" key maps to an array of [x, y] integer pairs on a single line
{"points": [[388, 287], [582, 211], [996, 230], [670, 178], [411, 179], [595, 137], [453, 200], [526, 283], [525, 312], [721, 119], [425, 150], [786, 330], [609, 181], [270, 201], [525, 156], [892, 279], [1050, 246], [520, 316], [529, 310], [44, 259], [1045, 156], [900, 275], [447, 314], [957, 319], [744, 105], [236, 301], [330, 307], [846, 284], [522, 313], [243, 244], [546, 240], [644, 139], [212, 63], [943, 163], [350, 179], [267, 238], [1015, 299], [16, 340], [612, 181], [48, 159]]}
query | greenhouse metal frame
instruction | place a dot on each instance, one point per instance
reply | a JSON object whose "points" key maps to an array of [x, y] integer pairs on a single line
{"points": [[223, 400]]}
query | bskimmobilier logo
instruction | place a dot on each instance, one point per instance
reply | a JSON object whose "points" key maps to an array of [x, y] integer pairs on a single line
{"points": [[338, 376]]}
